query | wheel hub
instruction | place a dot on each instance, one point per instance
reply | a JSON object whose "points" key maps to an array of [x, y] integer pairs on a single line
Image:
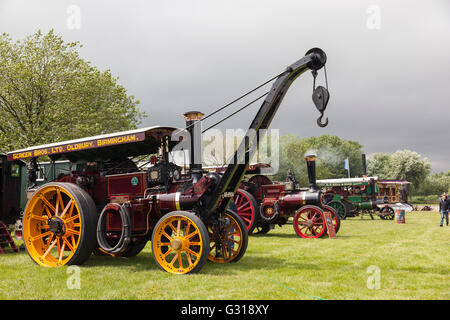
{"points": [[57, 226], [176, 244], [309, 223]]}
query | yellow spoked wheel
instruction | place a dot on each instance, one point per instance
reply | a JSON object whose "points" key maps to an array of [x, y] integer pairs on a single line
{"points": [[180, 243], [59, 225], [228, 242]]}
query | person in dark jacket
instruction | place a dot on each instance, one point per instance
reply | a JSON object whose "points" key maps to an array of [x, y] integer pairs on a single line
{"points": [[444, 207]]}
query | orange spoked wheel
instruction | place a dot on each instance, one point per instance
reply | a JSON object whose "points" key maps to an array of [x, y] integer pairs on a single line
{"points": [[309, 222], [228, 239], [180, 243], [59, 225]]}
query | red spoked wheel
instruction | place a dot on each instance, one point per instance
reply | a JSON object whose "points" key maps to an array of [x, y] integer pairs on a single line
{"points": [[246, 208], [309, 222]]}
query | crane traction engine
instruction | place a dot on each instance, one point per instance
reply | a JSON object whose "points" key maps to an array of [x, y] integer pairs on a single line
{"points": [[108, 205]]}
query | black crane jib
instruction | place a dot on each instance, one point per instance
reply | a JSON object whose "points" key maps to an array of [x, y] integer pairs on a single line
{"points": [[313, 60]]}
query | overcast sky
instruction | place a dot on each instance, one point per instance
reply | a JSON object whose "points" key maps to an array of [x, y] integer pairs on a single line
{"points": [[388, 61]]}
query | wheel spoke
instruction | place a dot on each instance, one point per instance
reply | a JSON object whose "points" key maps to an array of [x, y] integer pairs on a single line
{"points": [[50, 248], [62, 252], [187, 228], [172, 227], [167, 253], [192, 252], [188, 255], [59, 200], [73, 232], [174, 258], [68, 244], [167, 236], [178, 227], [39, 218], [192, 234], [48, 204], [71, 204], [180, 263], [71, 218], [42, 235]]}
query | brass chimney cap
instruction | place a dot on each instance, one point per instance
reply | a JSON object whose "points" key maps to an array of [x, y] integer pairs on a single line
{"points": [[310, 157], [193, 115]]}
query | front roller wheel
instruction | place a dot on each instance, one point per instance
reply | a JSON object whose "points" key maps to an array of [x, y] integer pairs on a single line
{"points": [[228, 239], [180, 243], [59, 225], [309, 222]]}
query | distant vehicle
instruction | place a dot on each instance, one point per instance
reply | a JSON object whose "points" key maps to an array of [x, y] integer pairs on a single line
{"points": [[263, 203], [11, 202], [353, 196]]}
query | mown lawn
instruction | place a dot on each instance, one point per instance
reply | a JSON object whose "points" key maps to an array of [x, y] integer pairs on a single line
{"points": [[413, 261]]}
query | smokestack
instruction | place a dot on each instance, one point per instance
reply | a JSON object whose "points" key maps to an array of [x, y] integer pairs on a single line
{"points": [[311, 166], [364, 166], [194, 127]]}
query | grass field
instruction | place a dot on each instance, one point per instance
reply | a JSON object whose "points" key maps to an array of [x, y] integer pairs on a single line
{"points": [[412, 259]]}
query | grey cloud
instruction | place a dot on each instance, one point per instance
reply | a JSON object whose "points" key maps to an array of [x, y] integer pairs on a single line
{"points": [[389, 87]]}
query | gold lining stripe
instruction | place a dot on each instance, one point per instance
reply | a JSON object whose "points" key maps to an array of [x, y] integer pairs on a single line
{"points": [[177, 200]]}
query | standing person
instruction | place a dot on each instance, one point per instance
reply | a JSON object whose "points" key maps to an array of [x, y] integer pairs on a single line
{"points": [[444, 206]]}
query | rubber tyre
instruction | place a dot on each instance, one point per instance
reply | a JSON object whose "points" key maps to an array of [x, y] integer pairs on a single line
{"points": [[88, 219]]}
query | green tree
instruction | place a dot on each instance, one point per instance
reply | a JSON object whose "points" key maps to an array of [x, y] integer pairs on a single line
{"points": [[435, 184], [402, 165], [378, 165], [331, 151], [408, 165], [48, 94]]}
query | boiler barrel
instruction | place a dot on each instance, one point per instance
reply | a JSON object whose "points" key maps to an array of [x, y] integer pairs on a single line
{"points": [[296, 200]]}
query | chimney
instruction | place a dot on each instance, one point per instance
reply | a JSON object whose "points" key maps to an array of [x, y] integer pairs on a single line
{"points": [[311, 166], [194, 127], [364, 166]]}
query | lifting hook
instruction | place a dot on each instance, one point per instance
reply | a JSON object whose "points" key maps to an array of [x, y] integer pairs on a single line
{"points": [[320, 123], [320, 98]]}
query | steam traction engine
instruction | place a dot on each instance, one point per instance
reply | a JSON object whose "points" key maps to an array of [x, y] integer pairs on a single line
{"points": [[262, 204], [10, 204], [351, 197], [113, 207]]}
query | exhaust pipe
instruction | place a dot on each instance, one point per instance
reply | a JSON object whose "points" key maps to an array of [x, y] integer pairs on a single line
{"points": [[364, 165], [194, 127], [311, 166]]}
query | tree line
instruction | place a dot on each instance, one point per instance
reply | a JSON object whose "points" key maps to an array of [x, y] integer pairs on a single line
{"points": [[331, 152]]}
